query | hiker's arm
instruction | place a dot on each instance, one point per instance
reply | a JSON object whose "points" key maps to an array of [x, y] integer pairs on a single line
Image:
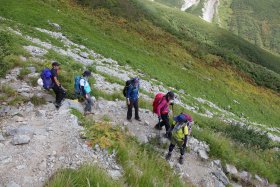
{"points": [[128, 94], [185, 141], [56, 81]]}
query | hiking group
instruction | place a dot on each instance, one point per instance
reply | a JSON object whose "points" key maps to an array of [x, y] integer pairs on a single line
{"points": [[178, 132]]}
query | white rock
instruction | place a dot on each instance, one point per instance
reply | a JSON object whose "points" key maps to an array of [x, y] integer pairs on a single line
{"points": [[143, 138], [203, 154], [21, 139], [221, 177], [230, 169], [146, 123]]}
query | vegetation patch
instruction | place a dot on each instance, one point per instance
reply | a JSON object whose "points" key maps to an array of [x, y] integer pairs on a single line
{"points": [[85, 176]]}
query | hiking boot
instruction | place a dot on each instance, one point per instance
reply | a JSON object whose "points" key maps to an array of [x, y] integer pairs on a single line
{"points": [[129, 120], [181, 160], [88, 113], [158, 127], [57, 105], [138, 119], [168, 156]]}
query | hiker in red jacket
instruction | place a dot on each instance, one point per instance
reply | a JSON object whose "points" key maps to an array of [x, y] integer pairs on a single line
{"points": [[162, 111]]}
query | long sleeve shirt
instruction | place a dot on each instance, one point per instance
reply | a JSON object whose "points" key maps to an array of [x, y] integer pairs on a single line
{"points": [[163, 107]]}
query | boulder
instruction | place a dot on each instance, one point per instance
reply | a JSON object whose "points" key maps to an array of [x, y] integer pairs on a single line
{"points": [[143, 138], [21, 139], [203, 154], [84, 55], [54, 25], [230, 169], [115, 174], [219, 174], [72, 104], [217, 163], [24, 130], [245, 176]]}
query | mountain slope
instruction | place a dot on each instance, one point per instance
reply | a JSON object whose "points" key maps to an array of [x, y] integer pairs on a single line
{"points": [[223, 100], [254, 20]]}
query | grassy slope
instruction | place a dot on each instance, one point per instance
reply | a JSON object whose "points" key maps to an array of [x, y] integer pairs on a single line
{"points": [[158, 52], [256, 21]]}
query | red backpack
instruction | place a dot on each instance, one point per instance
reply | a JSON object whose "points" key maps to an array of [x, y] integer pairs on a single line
{"points": [[157, 100]]}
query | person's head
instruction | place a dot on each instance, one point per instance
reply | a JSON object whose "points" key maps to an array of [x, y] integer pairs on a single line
{"points": [[87, 73], [55, 65], [135, 81], [170, 96]]}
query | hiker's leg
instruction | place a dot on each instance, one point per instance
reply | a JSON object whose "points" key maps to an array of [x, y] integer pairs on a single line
{"points": [[56, 91], [136, 107], [129, 110], [61, 95], [88, 105], [165, 121], [182, 150], [171, 147]]}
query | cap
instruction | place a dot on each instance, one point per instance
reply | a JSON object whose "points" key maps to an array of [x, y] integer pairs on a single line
{"points": [[55, 64], [87, 73], [170, 94]]}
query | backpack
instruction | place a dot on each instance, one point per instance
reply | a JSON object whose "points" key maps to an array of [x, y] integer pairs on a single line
{"points": [[157, 100], [127, 84], [46, 76], [77, 86]]}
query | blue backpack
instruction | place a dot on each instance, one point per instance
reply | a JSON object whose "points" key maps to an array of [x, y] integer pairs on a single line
{"points": [[46, 76], [77, 86]]}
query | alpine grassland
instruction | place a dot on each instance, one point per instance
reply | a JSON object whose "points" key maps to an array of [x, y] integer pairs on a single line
{"points": [[168, 45], [256, 21]]}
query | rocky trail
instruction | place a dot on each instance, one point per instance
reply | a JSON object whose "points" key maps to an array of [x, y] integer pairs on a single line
{"points": [[36, 141]]}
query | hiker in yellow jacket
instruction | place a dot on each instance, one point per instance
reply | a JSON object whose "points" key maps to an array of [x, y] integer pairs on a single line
{"points": [[180, 131]]}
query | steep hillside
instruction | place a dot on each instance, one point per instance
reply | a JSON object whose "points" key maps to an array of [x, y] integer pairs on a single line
{"points": [[219, 78], [254, 20]]}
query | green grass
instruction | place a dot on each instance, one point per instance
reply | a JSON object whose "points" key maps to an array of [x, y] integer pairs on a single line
{"points": [[85, 176], [157, 53], [256, 21], [161, 50], [37, 101], [23, 72]]}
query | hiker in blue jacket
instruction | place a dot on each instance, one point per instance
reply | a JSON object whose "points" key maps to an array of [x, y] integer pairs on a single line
{"points": [[132, 99]]}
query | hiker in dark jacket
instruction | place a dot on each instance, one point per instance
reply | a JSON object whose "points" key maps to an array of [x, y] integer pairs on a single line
{"points": [[132, 99], [163, 110], [85, 88], [57, 88], [180, 132]]}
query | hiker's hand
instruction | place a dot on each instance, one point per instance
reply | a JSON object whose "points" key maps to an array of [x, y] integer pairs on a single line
{"points": [[128, 102], [86, 96]]}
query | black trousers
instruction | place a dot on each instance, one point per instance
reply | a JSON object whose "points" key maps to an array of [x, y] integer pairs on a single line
{"points": [[59, 94], [182, 148], [165, 122], [129, 110]]}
